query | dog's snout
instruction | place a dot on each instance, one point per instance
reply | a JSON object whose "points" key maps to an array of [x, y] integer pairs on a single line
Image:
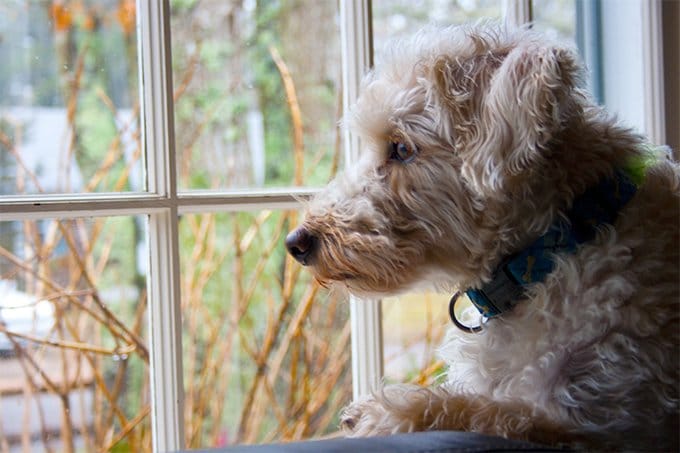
{"points": [[300, 244]]}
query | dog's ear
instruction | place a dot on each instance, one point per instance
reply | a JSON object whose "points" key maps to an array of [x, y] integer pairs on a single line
{"points": [[458, 83], [506, 106], [528, 99]]}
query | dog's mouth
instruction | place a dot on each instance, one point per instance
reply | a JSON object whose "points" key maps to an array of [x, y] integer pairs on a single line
{"points": [[328, 275], [344, 280], [362, 262], [362, 281]]}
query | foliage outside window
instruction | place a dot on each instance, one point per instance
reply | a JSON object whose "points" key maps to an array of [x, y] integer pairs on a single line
{"points": [[257, 98], [258, 333], [414, 324]]}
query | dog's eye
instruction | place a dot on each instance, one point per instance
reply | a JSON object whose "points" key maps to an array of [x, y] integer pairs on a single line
{"points": [[402, 152]]}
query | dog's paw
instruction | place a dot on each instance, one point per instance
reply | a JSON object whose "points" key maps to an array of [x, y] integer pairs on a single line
{"points": [[349, 419], [366, 417], [386, 412]]}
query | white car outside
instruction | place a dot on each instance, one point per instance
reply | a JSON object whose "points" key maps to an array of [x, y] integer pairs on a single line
{"points": [[22, 313]]}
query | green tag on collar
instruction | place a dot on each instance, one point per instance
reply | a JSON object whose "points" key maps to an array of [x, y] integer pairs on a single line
{"points": [[636, 167]]}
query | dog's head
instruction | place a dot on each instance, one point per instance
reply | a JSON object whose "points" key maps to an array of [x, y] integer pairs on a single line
{"points": [[454, 126]]}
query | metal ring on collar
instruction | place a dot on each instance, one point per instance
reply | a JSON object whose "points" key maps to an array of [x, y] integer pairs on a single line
{"points": [[452, 314]]}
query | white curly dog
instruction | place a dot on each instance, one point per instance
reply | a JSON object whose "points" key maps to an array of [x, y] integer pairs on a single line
{"points": [[487, 169]]}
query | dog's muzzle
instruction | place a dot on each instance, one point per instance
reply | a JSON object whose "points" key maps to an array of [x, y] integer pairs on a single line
{"points": [[301, 244]]}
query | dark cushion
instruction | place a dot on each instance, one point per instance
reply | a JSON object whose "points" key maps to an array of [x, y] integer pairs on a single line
{"points": [[430, 442]]}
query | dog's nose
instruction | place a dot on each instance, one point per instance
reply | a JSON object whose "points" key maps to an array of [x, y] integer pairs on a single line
{"points": [[300, 244]]}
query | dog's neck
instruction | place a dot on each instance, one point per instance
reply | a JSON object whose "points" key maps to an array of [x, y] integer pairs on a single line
{"points": [[597, 206]]}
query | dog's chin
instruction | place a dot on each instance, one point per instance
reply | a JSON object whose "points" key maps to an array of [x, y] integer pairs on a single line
{"points": [[363, 275], [362, 287], [384, 282]]}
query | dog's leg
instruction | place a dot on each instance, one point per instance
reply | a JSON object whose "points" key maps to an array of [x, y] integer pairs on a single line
{"points": [[407, 408]]}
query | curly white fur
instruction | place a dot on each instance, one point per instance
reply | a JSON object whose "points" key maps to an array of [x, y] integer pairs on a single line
{"points": [[506, 138]]}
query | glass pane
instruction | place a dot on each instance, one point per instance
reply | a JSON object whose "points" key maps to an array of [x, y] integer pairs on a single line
{"points": [[266, 349], [396, 18], [556, 18], [414, 324], [257, 88], [69, 113], [73, 336], [413, 328]]}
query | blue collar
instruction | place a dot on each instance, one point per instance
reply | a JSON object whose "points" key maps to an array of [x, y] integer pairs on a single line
{"points": [[598, 206]]}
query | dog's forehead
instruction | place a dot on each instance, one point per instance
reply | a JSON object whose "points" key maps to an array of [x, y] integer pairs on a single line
{"points": [[390, 95], [401, 86]]}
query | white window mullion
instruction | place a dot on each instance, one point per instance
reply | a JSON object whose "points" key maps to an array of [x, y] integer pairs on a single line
{"points": [[357, 48], [167, 389], [653, 71], [517, 12], [627, 78]]}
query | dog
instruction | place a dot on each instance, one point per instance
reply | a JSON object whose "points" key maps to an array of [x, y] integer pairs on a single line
{"points": [[487, 169]]}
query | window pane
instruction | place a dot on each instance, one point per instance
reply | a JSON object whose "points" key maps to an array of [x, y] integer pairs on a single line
{"points": [[69, 113], [414, 324], [413, 328], [266, 350], [73, 336], [396, 18], [257, 92], [576, 24], [556, 18]]}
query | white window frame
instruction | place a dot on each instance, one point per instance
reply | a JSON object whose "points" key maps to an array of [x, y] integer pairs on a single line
{"points": [[163, 204], [365, 315], [632, 64]]}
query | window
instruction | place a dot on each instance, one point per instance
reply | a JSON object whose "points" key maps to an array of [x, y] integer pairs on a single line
{"points": [[414, 325], [152, 158], [102, 203]]}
